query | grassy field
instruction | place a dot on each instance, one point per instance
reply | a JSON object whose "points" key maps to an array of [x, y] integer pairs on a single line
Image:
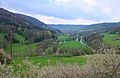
{"points": [[45, 60], [71, 44], [23, 47], [111, 39], [63, 38], [17, 47]]}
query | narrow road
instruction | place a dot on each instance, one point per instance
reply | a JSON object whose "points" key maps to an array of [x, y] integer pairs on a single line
{"points": [[81, 41]]}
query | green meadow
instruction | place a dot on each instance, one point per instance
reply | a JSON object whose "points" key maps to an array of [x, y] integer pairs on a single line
{"points": [[23, 47], [112, 39], [52, 60], [63, 38], [71, 44], [17, 47]]}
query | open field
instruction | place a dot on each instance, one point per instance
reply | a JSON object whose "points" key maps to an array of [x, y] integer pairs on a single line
{"points": [[71, 44], [18, 48], [23, 47], [112, 39], [45, 60], [63, 38]]}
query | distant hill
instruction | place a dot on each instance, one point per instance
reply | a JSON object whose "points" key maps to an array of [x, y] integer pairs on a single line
{"points": [[26, 26], [100, 27], [115, 30], [67, 28]]}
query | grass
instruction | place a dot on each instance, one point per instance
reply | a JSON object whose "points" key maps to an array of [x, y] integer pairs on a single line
{"points": [[44, 60], [17, 47], [19, 38], [71, 44], [97, 66], [23, 47], [63, 38], [111, 39]]}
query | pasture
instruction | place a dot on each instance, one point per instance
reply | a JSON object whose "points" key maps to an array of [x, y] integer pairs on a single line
{"points": [[71, 44], [75, 45], [112, 39], [63, 38], [52, 60]]}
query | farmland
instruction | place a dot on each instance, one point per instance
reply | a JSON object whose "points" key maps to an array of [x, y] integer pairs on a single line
{"points": [[45, 60], [112, 39], [63, 38], [71, 44], [23, 47]]}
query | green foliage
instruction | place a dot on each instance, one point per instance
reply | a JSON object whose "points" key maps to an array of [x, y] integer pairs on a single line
{"points": [[94, 40], [20, 38], [22, 46], [38, 39], [47, 47], [49, 50], [3, 41], [111, 39], [74, 48]]}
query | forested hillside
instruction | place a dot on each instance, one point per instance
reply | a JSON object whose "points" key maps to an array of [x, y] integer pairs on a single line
{"points": [[99, 27], [28, 27]]}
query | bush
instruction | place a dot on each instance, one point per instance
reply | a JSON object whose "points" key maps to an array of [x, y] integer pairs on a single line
{"points": [[4, 58], [99, 65], [76, 52]]}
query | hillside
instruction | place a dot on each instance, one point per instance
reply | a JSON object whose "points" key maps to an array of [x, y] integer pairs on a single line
{"points": [[28, 27], [100, 27], [37, 23]]}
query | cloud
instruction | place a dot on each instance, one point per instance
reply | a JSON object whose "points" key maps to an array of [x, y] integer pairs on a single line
{"points": [[57, 11], [54, 20], [66, 9], [111, 8]]}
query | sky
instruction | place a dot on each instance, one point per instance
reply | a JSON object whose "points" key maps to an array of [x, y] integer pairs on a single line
{"points": [[66, 11]]}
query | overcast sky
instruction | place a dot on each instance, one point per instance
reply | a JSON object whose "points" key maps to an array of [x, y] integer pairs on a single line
{"points": [[66, 11]]}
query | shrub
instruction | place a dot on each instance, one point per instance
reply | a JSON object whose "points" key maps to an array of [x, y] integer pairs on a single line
{"points": [[98, 65], [4, 58]]}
